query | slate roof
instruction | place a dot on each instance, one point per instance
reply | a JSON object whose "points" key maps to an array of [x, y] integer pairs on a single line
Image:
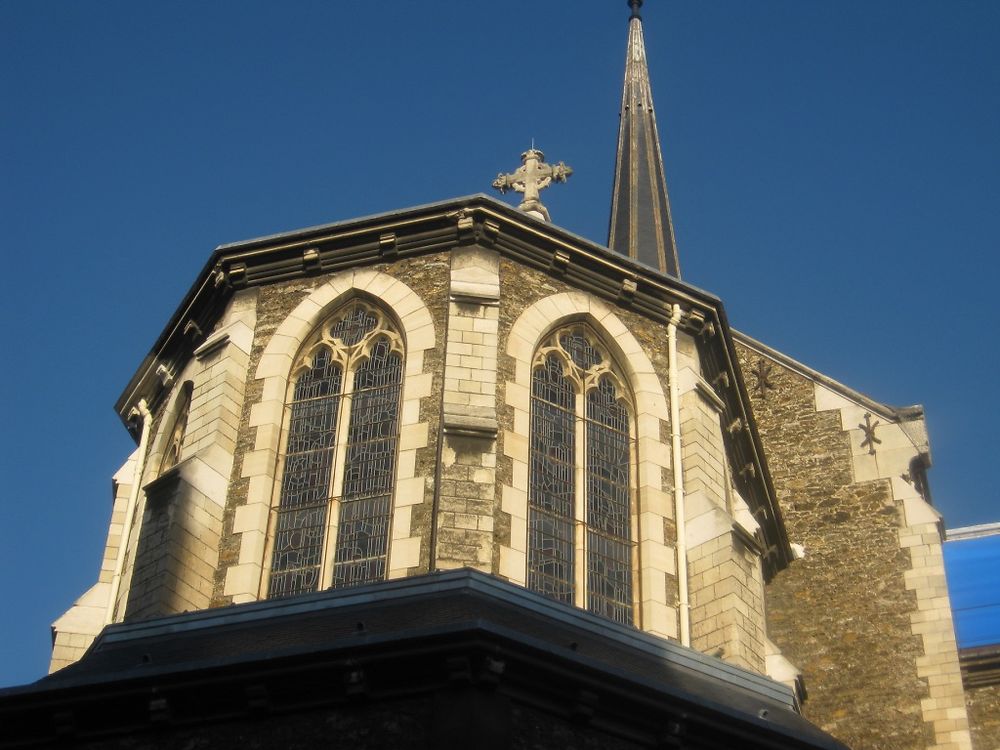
{"points": [[641, 226]]}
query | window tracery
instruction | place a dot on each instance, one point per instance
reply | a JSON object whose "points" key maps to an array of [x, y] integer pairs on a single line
{"points": [[334, 513], [580, 518]]}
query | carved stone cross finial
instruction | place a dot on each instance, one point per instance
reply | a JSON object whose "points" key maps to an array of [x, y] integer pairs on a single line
{"points": [[532, 176]]}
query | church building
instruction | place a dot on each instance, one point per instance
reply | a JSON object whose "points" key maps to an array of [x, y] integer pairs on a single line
{"points": [[453, 476]]}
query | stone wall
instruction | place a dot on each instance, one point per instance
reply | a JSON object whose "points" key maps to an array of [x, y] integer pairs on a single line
{"points": [[76, 629], [861, 614], [169, 552], [466, 502], [984, 716], [727, 602], [179, 514], [177, 551]]}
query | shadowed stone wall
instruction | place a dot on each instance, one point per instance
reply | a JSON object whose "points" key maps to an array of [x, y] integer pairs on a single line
{"points": [[177, 551]]}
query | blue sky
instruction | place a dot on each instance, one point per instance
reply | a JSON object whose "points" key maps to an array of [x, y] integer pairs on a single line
{"points": [[834, 171]]}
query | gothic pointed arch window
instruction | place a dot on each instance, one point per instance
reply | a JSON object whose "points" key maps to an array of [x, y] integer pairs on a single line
{"points": [[580, 499], [175, 442], [334, 512]]}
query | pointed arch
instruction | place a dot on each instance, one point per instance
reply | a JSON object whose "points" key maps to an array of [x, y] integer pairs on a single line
{"points": [[334, 508], [581, 497], [406, 327], [629, 373], [168, 443]]}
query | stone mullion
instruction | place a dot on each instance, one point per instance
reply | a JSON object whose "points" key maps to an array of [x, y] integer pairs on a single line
{"points": [[581, 563], [635, 552], [337, 471]]}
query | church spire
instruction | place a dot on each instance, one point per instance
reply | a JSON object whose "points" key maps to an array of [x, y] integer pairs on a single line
{"points": [[641, 226]]}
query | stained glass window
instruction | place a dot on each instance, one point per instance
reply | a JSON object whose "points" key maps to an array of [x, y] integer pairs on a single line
{"points": [[363, 531], [345, 402], [580, 545], [553, 446]]}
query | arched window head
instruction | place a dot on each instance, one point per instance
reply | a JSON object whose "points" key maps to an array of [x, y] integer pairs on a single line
{"points": [[175, 441], [332, 521], [580, 515]]}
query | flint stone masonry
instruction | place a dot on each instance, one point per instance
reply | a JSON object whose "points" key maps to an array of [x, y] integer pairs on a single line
{"points": [[854, 613]]}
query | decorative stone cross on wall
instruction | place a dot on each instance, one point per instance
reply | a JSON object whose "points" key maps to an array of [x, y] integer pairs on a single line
{"points": [[868, 428], [763, 374], [532, 176]]}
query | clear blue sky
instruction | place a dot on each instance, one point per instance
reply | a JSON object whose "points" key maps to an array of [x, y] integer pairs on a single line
{"points": [[834, 171]]}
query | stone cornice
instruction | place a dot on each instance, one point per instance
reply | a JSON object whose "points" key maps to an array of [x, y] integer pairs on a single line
{"points": [[484, 221]]}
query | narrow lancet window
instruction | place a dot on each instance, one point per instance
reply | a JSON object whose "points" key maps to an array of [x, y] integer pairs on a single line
{"points": [[553, 482], [302, 513], [365, 508], [609, 550], [580, 517], [332, 522]]}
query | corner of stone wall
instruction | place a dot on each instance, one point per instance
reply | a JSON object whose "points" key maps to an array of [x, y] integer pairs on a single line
{"points": [[864, 614], [465, 522], [725, 582], [76, 629], [176, 551], [883, 449]]}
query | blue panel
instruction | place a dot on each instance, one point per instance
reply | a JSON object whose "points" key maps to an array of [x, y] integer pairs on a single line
{"points": [[973, 567]]}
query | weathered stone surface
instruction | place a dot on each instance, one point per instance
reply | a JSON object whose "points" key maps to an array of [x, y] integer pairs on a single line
{"points": [[428, 278], [983, 704], [842, 614], [176, 556], [521, 288]]}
